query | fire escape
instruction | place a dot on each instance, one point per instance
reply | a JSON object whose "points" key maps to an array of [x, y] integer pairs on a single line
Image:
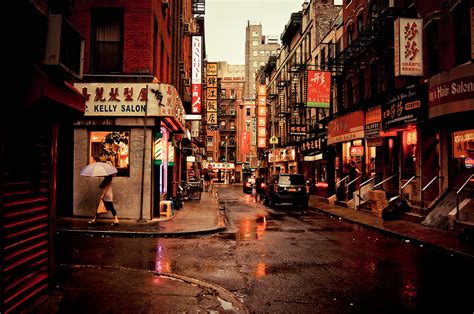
{"points": [[227, 143], [373, 38]]}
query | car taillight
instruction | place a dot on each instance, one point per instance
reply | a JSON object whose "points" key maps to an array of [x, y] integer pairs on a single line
{"points": [[307, 189], [262, 185], [247, 184]]}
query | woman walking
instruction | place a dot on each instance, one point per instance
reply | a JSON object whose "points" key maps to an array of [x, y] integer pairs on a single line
{"points": [[107, 197]]}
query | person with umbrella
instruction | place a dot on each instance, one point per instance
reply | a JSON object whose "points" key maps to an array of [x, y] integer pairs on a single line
{"points": [[101, 169]]}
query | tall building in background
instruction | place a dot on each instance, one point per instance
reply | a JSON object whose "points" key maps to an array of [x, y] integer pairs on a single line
{"points": [[257, 50]]}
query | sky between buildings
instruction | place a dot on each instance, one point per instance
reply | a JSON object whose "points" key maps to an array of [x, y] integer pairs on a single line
{"points": [[226, 21]]}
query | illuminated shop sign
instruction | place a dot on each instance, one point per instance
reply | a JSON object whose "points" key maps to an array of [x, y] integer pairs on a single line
{"points": [[196, 89], [408, 47], [318, 90]]}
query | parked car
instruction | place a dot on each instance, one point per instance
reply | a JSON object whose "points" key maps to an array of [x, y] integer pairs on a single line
{"points": [[248, 185], [287, 188]]}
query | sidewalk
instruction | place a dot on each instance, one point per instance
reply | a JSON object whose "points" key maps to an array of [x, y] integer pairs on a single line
{"points": [[445, 239], [195, 217]]}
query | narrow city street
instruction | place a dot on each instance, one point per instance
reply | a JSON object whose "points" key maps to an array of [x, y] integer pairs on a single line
{"points": [[273, 260]]}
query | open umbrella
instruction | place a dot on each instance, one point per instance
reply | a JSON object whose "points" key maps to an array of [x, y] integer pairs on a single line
{"points": [[98, 169]]}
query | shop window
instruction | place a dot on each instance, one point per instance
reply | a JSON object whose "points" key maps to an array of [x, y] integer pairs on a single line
{"points": [[107, 40], [111, 147], [248, 112], [409, 153], [209, 141]]}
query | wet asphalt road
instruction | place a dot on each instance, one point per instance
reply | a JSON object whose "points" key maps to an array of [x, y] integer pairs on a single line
{"points": [[284, 261]]}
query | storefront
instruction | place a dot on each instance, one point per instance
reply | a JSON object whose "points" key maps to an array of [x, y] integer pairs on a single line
{"points": [[315, 164], [283, 160], [346, 134], [451, 113], [402, 147], [143, 150]]}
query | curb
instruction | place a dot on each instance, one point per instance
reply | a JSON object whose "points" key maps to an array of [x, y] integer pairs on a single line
{"points": [[236, 302], [397, 234]]}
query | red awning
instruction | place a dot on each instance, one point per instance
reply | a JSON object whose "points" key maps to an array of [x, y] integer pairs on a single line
{"points": [[60, 92]]}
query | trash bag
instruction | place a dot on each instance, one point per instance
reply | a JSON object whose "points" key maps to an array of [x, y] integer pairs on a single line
{"points": [[402, 206], [391, 212]]}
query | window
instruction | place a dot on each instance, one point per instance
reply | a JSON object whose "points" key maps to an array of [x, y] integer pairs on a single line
{"points": [[267, 53], [255, 63], [350, 93], [209, 141], [360, 24], [255, 53], [232, 93], [255, 43], [262, 53], [223, 93], [247, 125], [107, 40], [361, 83], [255, 34], [248, 112], [462, 32], [262, 63], [274, 53], [432, 34], [374, 79], [111, 147]]}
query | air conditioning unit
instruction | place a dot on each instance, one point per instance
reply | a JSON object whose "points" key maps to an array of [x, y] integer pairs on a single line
{"points": [[64, 46]]}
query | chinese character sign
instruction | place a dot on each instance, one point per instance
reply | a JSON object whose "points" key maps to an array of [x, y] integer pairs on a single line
{"points": [[196, 96], [212, 102], [318, 89], [262, 116], [408, 46]]}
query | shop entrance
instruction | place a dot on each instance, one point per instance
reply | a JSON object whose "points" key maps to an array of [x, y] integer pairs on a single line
{"points": [[462, 159]]}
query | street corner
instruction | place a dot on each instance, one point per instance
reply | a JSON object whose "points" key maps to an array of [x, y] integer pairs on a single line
{"points": [[227, 300]]}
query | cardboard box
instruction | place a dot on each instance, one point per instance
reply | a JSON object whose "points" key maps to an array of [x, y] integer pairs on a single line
{"points": [[376, 195], [378, 205]]}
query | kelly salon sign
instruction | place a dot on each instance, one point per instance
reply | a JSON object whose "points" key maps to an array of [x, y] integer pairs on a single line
{"points": [[124, 99], [196, 70], [318, 92], [346, 128], [408, 47]]}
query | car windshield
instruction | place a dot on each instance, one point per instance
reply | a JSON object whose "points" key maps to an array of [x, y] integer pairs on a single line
{"points": [[292, 180]]}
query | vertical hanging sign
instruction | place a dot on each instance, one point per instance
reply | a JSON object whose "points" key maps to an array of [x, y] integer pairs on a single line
{"points": [[196, 75], [170, 153], [262, 116], [318, 90], [408, 47], [212, 102]]}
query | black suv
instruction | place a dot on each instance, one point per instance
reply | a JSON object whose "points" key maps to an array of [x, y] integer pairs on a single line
{"points": [[287, 188]]}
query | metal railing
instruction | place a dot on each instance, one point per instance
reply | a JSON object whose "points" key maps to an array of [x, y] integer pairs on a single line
{"points": [[406, 183], [363, 184], [340, 181], [425, 187], [457, 195], [352, 182], [383, 181]]}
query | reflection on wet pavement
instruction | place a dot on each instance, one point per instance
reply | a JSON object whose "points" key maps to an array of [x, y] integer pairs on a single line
{"points": [[251, 229], [261, 270], [162, 262]]}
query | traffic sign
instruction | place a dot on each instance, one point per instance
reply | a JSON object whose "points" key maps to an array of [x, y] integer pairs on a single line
{"points": [[273, 140]]}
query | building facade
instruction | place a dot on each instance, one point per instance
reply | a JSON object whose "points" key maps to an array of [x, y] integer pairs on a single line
{"points": [[138, 93], [258, 48], [36, 146]]}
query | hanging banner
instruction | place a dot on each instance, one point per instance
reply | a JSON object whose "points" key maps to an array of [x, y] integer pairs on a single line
{"points": [[318, 89], [196, 70], [212, 102], [408, 47], [262, 116]]}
